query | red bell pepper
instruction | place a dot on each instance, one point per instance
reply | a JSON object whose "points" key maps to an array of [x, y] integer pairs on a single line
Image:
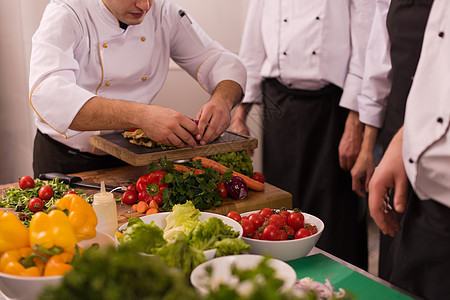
{"points": [[150, 187]]}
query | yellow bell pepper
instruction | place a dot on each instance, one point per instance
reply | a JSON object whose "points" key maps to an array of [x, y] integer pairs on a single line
{"points": [[52, 233], [59, 264], [81, 215], [13, 233], [22, 262]]}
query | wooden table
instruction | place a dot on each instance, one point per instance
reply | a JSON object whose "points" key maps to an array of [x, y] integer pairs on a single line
{"points": [[272, 196]]}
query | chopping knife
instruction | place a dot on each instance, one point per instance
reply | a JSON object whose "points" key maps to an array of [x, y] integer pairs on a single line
{"points": [[77, 181]]}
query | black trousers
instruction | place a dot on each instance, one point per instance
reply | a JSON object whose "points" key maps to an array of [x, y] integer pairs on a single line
{"points": [[52, 156], [301, 135], [419, 257]]}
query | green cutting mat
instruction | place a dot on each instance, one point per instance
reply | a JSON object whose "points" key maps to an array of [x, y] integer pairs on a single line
{"points": [[319, 267]]}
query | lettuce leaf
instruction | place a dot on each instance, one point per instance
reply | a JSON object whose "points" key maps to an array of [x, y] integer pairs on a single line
{"points": [[183, 218]]}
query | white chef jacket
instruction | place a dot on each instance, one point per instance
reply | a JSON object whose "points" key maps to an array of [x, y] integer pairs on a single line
{"points": [[377, 82], [426, 136], [79, 51], [306, 45]]}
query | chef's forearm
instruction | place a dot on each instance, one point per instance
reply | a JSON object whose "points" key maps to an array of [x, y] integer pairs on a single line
{"points": [[106, 114], [230, 92]]}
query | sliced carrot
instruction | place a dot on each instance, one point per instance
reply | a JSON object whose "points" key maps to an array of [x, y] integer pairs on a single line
{"points": [[251, 183], [152, 211], [142, 207], [153, 204], [181, 168], [134, 207]]}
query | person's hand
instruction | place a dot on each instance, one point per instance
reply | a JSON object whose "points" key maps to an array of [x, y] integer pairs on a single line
{"points": [[390, 174], [362, 172], [214, 116], [169, 127], [238, 123], [351, 140]]}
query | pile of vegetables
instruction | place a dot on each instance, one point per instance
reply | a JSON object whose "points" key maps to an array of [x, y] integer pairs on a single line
{"points": [[117, 274], [34, 195], [49, 245], [182, 242], [274, 225]]}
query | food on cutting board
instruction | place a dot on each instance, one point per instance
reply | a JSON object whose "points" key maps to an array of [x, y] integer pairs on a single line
{"points": [[204, 181], [138, 137]]}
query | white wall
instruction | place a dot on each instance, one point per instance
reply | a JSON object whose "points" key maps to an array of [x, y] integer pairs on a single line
{"points": [[222, 20]]}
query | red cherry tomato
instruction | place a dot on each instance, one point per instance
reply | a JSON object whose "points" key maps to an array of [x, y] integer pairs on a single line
{"points": [[46, 192], [283, 235], [258, 177], [222, 190], [26, 182], [290, 231], [266, 212], [234, 215], [256, 235], [35, 204], [311, 228], [247, 227], [270, 233], [277, 219], [256, 219], [70, 192], [129, 197], [131, 187], [302, 233], [296, 220], [285, 213]]}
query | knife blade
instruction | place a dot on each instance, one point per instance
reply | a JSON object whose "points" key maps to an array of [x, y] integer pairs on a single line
{"points": [[78, 181]]}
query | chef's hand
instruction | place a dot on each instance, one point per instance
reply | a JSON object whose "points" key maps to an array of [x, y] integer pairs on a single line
{"points": [[390, 174], [350, 143], [362, 172], [238, 123], [215, 116], [169, 127]]}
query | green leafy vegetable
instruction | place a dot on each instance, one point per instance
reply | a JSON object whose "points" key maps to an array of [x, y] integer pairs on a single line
{"points": [[200, 189], [120, 274], [143, 237], [239, 161], [178, 253], [208, 231], [231, 246], [183, 218]]}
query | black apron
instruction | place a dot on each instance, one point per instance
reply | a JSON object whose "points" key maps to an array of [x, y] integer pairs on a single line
{"points": [[301, 135], [52, 156], [406, 22]]}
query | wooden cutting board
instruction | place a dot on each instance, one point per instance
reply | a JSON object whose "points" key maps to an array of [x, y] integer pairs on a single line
{"points": [[118, 146]]}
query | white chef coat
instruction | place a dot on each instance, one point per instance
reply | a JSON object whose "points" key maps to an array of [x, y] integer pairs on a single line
{"points": [[79, 51], [426, 136], [306, 45], [376, 84]]}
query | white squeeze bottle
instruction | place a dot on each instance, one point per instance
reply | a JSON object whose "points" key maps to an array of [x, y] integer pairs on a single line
{"points": [[105, 207]]}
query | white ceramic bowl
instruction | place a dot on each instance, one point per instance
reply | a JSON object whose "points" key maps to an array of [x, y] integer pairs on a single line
{"points": [[28, 288], [222, 271], [160, 221], [288, 249]]}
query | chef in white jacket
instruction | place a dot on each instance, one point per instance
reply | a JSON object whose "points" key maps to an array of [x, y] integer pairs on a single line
{"points": [[419, 156], [305, 62], [97, 65]]}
